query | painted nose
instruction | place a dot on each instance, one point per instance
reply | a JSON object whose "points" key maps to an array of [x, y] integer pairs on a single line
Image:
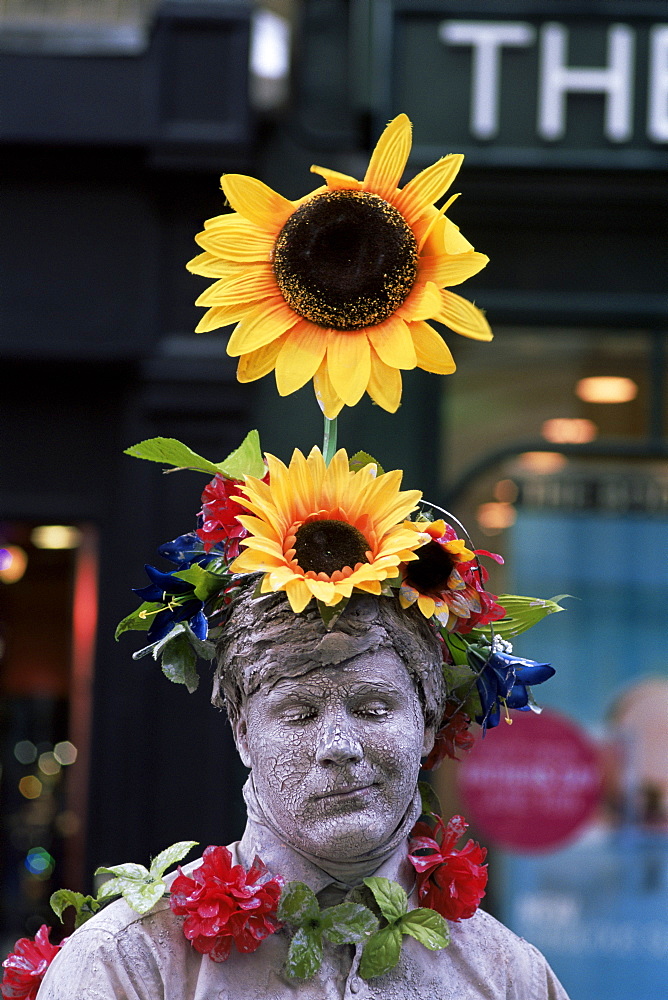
{"points": [[338, 747]]}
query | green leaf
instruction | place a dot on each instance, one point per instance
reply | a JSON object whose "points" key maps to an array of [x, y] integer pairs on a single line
{"points": [[177, 852], [347, 923], [246, 460], [522, 613], [391, 898], [361, 459], [142, 897], [330, 616], [381, 952], [298, 904], [304, 954], [169, 451], [458, 647], [179, 661], [128, 870], [135, 622], [430, 800], [204, 584], [112, 887], [426, 926], [85, 906], [205, 649]]}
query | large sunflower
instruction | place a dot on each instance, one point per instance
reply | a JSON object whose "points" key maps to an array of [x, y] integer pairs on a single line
{"points": [[338, 286], [321, 531]]}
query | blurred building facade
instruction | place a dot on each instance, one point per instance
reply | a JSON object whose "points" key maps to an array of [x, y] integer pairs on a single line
{"points": [[115, 122]]}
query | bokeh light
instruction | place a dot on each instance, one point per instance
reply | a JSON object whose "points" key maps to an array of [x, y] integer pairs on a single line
{"points": [[606, 389], [30, 787]]}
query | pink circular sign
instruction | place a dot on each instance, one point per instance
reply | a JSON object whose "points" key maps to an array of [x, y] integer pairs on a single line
{"points": [[531, 786]]}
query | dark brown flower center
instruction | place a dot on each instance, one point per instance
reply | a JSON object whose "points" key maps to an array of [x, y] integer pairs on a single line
{"points": [[430, 571], [345, 259], [325, 546]]}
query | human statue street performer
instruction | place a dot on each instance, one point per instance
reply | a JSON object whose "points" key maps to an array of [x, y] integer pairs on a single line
{"points": [[352, 638]]}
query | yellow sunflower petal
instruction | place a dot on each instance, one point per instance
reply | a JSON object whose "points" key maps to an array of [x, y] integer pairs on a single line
{"points": [[298, 594], [463, 317], [257, 364], [393, 343], [427, 187], [238, 240], [389, 158], [300, 357], [264, 324], [450, 269], [335, 180], [453, 240], [421, 302], [210, 266], [223, 316], [369, 586], [433, 354], [257, 202], [328, 399], [349, 365], [322, 590], [384, 384], [249, 286], [426, 605]]}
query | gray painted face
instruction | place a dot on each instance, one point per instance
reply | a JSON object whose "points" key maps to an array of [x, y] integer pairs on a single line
{"points": [[336, 752]]}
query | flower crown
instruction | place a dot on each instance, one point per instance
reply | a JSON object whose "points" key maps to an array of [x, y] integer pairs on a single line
{"points": [[338, 287]]}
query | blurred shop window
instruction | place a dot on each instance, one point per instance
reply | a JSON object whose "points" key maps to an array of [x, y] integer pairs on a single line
{"points": [[76, 27], [564, 417], [48, 616]]}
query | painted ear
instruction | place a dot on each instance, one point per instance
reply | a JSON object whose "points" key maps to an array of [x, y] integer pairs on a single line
{"points": [[240, 730], [429, 737]]}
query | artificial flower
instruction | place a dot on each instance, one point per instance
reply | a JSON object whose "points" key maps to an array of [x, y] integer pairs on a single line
{"points": [[26, 966], [446, 580], [320, 530], [452, 737], [338, 286], [189, 549], [504, 680], [219, 515], [224, 903], [180, 602], [449, 881]]}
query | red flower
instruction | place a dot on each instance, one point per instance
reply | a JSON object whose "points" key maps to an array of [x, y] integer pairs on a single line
{"points": [[475, 576], [224, 903], [449, 881], [453, 735], [219, 515], [26, 965]]}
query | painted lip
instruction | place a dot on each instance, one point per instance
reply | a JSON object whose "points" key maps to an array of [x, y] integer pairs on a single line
{"points": [[348, 791]]}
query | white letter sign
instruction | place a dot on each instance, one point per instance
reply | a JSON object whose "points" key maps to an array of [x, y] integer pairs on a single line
{"points": [[487, 39], [614, 80]]}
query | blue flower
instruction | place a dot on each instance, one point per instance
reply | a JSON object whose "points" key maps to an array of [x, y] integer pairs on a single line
{"points": [[180, 602], [189, 549], [505, 679]]}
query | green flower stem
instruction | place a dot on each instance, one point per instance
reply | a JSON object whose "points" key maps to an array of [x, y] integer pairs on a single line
{"points": [[329, 440]]}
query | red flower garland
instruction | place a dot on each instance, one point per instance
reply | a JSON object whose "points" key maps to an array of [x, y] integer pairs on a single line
{"points": [[449, 881], [26, 966], [224, 903], [452, 737]]}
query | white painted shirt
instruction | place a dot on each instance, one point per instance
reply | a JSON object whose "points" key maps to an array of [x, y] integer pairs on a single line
{"points": [[121, 955]]}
